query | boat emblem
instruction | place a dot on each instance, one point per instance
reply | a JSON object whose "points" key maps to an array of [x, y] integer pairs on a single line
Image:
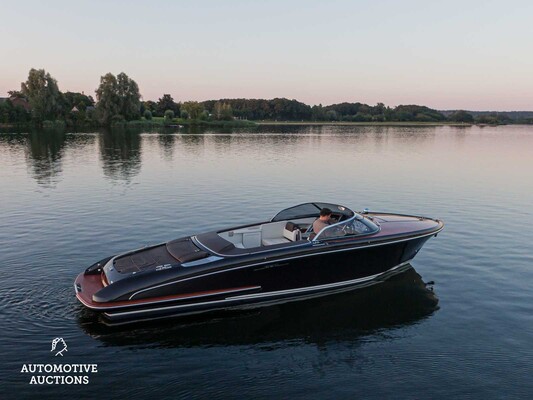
{"points": [[162, 267]]}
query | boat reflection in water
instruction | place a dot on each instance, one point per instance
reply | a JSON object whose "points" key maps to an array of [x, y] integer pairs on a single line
{"points": [[402, 299]]}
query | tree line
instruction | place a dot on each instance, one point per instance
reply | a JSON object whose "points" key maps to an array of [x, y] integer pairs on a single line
{"points": [[118, 100]]}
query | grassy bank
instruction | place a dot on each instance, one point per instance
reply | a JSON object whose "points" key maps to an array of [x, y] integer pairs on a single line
{"points": [[156, 122], [162, 122]]}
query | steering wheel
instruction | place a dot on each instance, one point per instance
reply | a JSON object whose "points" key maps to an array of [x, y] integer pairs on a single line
{"points": [[345, 230]]}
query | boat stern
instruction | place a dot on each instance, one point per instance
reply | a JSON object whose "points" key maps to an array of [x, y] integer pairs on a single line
{"points": [[86, 285]]}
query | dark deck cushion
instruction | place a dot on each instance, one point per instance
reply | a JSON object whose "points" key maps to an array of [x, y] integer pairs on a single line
{"points": [[184, 250], [215, 243]]}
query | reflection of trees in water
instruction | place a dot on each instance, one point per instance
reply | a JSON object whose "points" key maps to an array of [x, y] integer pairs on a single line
{"points": [[402, 300], [166, 143], [44, 153], [191, 143], [14, 144], [120, 152]]}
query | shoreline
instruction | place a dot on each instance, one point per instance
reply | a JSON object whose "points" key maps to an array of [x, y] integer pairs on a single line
{"points": [[349, 123], [250, 124], [157, 122]]}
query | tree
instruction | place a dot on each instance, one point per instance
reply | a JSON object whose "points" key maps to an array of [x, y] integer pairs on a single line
{"points": [[331, 115], [130, 98], [74, 99], [193, 109], [492, 118], [167, 103], [169, 115], [379, 109], [107, 96], [318, 113], [361, 117], [118, 96], [43, 95], [461, 116], [414, 112], [15, 93], [150, 106], [222, 111], [13, 113]]}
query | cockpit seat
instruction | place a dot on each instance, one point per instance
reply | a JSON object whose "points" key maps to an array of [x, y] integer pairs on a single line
{"points": [[292, 232], [272, 241]]}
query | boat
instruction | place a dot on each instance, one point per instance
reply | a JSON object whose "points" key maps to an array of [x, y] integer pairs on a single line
{"points": [[272, 262]]}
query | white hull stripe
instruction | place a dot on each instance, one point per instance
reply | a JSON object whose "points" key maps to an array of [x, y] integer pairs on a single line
{"points": [[263, 295]]}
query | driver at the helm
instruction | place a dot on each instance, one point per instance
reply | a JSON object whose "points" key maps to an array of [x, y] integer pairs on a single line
{"points": [[322, 221]]}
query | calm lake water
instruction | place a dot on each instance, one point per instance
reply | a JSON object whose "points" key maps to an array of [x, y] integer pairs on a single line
{"points": [[67, 200]]}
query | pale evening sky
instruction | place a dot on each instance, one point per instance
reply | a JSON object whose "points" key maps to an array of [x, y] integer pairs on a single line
{"points": [[474, 55]]}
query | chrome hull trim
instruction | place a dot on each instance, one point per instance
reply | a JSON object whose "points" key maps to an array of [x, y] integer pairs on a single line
{"points": [[265, 298], [171, 300]]}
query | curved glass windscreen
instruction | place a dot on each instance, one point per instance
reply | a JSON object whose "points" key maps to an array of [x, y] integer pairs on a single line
{"points": [[299, 211], [312, 210], [357, 225]]}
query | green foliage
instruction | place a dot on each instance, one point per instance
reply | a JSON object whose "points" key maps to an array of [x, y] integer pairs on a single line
{"points": [[461, 116], [423, 118], [259, 109], [148, 115], [331, 115], [73, 99], [493, 119], [149, 106], [108, 99], [416, 113], [117, 96], [16, 94], [117, 120], [362, 117], [359, 112], [169, 115], [10, 113], [56, 124], [222, 111], [167, 103], [184, 114], [318, 113], [130, 98], [193, 108], [43, 95], [204, 115]]}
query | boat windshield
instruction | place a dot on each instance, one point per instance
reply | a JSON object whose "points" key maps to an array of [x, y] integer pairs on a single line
{"points": [[357, 225], [311, 210]]}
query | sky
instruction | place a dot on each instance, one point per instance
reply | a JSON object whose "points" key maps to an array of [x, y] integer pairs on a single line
{"points": [[474, 55]]}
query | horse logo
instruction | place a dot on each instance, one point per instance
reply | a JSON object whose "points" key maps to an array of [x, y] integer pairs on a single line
{"points": [[62, 343]]}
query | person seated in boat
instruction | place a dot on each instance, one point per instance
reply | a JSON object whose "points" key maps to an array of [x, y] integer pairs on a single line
{"points": [[323, 220]]}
